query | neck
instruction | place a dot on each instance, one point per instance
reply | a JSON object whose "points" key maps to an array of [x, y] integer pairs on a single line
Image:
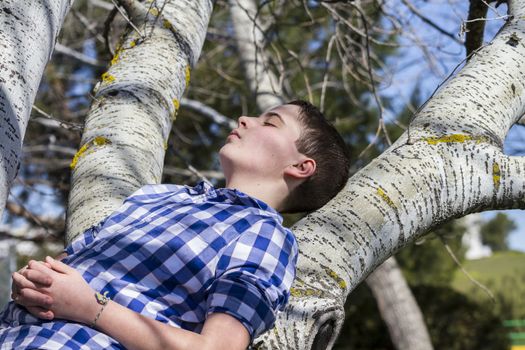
{"points": [[272, 193]]}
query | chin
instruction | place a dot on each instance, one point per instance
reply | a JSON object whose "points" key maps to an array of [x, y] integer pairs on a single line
{"points": [[225, 162]]}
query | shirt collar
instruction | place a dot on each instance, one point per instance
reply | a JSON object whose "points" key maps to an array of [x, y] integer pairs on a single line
{"points": [[235, 197]]}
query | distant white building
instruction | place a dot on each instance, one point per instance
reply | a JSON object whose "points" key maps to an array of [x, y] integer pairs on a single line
{"points": [[471, 240]]}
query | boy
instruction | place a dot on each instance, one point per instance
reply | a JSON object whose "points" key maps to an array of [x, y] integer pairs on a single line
{"points": [[188, 268]]}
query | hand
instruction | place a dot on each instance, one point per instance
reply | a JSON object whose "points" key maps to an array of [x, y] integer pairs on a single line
{"points": [[18, 280], [68, 296], [23, 288]]}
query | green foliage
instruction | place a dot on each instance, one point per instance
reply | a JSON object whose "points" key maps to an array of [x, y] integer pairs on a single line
{"points": [[363, 328], [455, 322], [495, 232], [427, 262], [503, 274]]}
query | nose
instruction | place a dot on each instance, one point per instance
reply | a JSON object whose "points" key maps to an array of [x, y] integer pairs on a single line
{"points": [[243, 121]]}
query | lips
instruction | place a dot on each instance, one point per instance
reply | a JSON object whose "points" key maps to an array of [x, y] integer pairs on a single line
{"points": [[234, 133]]}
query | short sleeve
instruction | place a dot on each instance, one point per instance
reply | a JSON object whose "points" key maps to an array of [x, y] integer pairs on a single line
{"points": [[254, 275]]}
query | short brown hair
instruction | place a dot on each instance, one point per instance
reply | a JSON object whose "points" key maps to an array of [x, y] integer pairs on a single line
{"points": [[320, 141]]}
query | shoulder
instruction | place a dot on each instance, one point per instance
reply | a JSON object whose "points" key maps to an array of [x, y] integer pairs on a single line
{"points": [[155, 192], [256, 225]]}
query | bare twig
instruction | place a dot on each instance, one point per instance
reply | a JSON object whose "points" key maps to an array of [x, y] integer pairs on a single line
{"points": [[131, 7], [55, 123], [102, 4], [211, 174], [430, 22], [91, 27], [458, 263], [107, 30], [208, 112], [77, 55], [369, 66], [327, 65]]}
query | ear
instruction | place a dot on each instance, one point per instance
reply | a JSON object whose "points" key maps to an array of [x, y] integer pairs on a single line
{"points": [[302, 170]]}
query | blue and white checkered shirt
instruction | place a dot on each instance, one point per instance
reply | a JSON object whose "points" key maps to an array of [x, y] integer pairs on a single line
{"points": [[175, 254]]}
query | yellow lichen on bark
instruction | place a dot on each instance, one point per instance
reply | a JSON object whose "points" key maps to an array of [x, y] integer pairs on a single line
{"points": [[454, 138], [301, 290], [115, 58], [188, 75], [496, 175], [385, 197], [176, 104], [308, 292], [340, 282], [97, 141], [107, 78], [154, 11], [167, 24]]}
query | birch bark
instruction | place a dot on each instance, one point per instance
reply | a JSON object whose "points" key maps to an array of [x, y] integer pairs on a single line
{"points": [[28, 32], [397, 305], [127, 128], [448, 163]]}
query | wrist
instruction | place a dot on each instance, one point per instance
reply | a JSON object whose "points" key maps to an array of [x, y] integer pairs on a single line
{"points": [[89, 309], [102, 300]]}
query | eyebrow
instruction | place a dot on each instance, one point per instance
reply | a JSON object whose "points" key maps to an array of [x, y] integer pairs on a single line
{"points": [[273, 114]]}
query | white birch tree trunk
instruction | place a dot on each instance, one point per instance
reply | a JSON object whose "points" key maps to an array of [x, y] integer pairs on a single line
{"points": [[449, 163], [397, 305], [127, 128], [251, 45], [28, 31]]}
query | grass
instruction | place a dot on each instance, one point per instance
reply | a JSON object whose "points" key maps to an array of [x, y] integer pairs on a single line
{"points": [[504, 274]]}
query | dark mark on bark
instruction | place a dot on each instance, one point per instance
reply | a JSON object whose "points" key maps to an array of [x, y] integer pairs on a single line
{"points": [[513, 89], [9, 12], [513, 40]]}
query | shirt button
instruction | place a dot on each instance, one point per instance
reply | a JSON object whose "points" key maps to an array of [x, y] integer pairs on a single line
{"points": [[15, 324]]}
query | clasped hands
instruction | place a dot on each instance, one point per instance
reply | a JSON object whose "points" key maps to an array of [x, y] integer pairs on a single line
{"points": [[51, 289]]}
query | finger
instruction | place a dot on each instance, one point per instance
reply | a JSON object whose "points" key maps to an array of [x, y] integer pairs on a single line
{"points": [[21, 281], [14, 286], [40, 312], [40, 278], [59, 266], [41, 266], [31, 297]]}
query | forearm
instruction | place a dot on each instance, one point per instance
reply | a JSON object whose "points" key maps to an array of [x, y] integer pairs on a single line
{"points": [[70, 297], [138, 332]]}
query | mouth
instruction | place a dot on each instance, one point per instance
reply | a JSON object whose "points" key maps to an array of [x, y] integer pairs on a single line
{"points": [[234, 134]]}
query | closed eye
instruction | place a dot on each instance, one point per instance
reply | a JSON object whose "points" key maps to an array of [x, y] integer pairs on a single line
{"points": [[269, 124]]}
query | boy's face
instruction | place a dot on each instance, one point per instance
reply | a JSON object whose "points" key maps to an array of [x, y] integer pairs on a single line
{"points": [[264, 145]]}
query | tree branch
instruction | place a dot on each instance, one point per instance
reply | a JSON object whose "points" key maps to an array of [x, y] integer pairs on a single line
{"points": [[102, 4], [432, 23], [446, 165], [78, 56], [250, 42], [475, 29], [208, 112], [135, 104]]}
